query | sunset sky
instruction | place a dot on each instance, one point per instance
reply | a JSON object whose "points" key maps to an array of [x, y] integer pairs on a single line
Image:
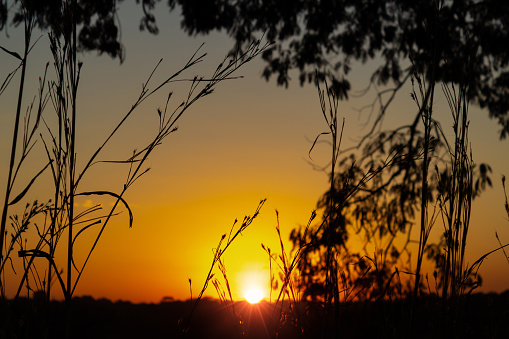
{"points": [[247, 141]]}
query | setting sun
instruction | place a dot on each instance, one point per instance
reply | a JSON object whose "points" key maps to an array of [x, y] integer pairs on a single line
{"points": [[253, 295], [252, 280]]}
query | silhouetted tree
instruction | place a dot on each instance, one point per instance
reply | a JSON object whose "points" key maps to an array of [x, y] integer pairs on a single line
{"points": [[328, 35], [377, 195], [97, 21], [384, 208]]}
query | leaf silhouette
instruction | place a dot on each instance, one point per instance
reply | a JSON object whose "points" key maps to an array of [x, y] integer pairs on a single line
{"points": [[115, 195], [314, 143], [14, 54], [80, 232], [22, 194]]}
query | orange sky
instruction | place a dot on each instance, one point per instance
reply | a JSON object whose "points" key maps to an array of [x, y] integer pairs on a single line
{"points": [[247, 141]]}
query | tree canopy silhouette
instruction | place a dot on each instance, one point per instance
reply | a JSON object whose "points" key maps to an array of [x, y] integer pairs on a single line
{"points": [[328, 35]]}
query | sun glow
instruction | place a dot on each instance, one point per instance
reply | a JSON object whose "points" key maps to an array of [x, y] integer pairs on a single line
{"points": [[253, 295], [252, 280]]}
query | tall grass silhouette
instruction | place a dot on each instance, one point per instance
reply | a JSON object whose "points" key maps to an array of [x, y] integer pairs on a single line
{"points": [[363, 304], [448, 186], [56, 224]]}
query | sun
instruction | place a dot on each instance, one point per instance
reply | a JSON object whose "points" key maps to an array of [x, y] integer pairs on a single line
{"points": [[253, 295], [252, 282]]}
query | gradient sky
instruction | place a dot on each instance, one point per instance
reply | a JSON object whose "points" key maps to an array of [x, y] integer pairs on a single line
{"points": [[247, 141]]}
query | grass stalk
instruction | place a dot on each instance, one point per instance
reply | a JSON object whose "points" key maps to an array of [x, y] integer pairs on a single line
{"points": [[330, 113], [425, 110], [218, 253], [74, 77], [29, 24], [61, 219]]}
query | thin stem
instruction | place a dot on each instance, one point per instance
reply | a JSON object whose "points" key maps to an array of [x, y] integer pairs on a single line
{"points": [[28, 33], [72, 163]]}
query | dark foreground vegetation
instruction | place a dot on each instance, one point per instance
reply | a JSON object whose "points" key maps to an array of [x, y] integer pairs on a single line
{"points": [[421, 176], [479, 316]]}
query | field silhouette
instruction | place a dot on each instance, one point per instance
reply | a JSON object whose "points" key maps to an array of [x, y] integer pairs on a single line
{"points": [[482, 316]]}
